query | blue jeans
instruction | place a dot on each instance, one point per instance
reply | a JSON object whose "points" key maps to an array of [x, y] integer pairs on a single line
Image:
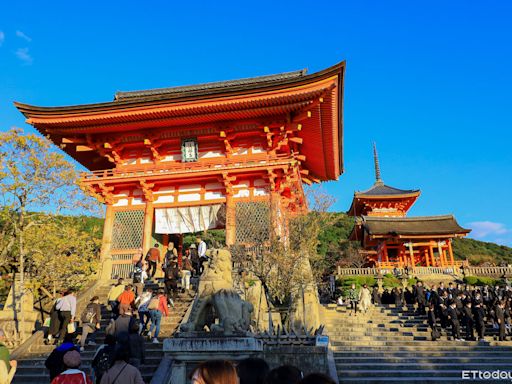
{"points": [[156, 318], [144, 318]]}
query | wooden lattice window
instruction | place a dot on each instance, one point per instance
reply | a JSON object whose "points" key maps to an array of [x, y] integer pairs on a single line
{"points": [[127, 231], [252, 222]]}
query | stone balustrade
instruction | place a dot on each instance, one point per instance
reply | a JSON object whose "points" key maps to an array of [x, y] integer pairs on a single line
{"points": [[421, 271]]}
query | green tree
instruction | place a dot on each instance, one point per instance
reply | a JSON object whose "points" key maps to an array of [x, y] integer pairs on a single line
{"points": [[33, 179]]}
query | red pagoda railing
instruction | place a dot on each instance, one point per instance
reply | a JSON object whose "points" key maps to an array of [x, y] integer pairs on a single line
{"points": [[169, 168]]}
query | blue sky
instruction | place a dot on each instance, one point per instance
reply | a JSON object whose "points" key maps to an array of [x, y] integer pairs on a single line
{"points": [[430, 82]]}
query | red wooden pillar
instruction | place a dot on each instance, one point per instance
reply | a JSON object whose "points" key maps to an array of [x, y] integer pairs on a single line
{"points": [[148, 227], [450, 251], [230, 219], [432, 257], [106, 244]]}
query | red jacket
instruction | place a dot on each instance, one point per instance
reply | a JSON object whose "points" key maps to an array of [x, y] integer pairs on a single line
{"points": [[162, 305], [72, 376], [127, 297]]}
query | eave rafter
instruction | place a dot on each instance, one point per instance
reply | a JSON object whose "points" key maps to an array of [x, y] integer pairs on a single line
{"points": [[147, 190], [228, 181], [100, 191]]}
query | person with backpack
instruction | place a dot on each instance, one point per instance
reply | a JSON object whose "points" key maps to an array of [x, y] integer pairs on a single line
{"points": [[171, 277], [104, 357], [171, 255], [139, 276], [91, 317], [142, 303], [157, 308]]}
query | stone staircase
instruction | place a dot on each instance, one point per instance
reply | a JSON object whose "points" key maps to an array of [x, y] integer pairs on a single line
{"points": [[390, 344], [31, 367]]}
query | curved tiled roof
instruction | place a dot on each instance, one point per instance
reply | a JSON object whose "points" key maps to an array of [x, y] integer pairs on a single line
{"points": [[420, 225], [210, 86], [380, 189]]}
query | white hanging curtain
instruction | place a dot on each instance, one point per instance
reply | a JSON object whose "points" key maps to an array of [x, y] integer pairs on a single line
{"points": [[188, 219]]}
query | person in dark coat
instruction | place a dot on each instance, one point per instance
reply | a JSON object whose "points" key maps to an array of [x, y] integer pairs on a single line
{"points": [[376, 296], [479, 316], [136, 346], [171, 278], [432, 322], [451, 313], [104, 357], [467, 320], [420, 297], [500, 318], [443, 305], [54, 363], [397, 297], [441, 290]]}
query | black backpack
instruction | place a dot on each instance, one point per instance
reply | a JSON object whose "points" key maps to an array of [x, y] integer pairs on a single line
{"points": [[137, 276], [102, 361], [89, 314]]}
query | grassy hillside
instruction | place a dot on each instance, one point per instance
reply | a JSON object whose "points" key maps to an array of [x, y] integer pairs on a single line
{"points": [[477, 252]]}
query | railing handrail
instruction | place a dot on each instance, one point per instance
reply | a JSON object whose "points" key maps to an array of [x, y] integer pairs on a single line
{"points": [[450, 269], [177, 167]]}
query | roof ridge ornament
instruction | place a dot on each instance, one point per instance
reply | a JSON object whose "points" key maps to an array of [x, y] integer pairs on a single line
{"points": [[378, 180]]}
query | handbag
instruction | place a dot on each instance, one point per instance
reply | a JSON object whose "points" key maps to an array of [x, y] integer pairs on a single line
{"points": [[72, 327]]}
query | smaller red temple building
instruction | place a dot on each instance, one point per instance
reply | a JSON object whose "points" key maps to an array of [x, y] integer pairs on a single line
{"points": [[390, 239]]}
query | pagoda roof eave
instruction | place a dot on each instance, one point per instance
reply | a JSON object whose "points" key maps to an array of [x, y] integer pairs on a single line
{"points": [[276, 95], [191, 93], [441, 225]]}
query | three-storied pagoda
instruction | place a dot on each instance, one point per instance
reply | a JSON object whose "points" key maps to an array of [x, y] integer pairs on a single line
{"points": [[186, 159], [390, 239]]}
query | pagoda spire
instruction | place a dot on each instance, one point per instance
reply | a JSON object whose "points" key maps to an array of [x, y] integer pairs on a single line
{"points": [[378, 180]]}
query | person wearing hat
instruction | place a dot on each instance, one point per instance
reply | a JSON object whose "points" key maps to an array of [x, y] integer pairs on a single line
{"points": [[72, 375], [90, 319]]}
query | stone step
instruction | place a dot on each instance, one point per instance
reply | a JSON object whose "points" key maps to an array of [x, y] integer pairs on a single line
{"points": [[405, 373], [417, 379], [421, 346], [386, 338], [152, 358], [491, 354], [415, 366], [42, 371]]}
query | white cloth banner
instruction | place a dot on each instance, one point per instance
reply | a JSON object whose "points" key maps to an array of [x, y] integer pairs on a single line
{"points": [[188, 219]]}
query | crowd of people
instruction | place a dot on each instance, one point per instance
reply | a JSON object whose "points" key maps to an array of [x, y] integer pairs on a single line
{"points": [[460, 308], [136, 313]]}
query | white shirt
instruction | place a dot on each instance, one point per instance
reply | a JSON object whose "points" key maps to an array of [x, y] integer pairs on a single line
{"points": [[67, 303], [201, 249]]}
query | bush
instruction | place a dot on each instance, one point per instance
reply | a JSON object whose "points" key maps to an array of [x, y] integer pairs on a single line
{"points": [[391, 281], [471, 280], [345, 283], [482, 280]]}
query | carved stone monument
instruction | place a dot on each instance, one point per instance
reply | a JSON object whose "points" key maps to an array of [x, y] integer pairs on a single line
{"points": [[218, 308]]}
